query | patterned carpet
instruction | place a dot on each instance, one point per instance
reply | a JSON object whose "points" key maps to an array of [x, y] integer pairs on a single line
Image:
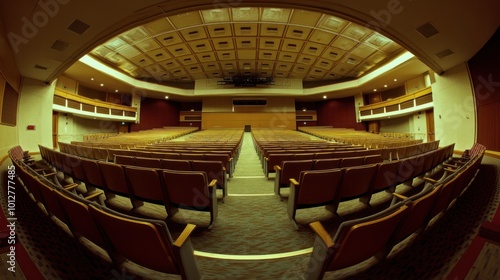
{"points": [[252, 222]]}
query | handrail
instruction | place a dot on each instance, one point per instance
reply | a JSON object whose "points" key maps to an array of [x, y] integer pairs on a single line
{"points": [[396, 100], [92, 102]]}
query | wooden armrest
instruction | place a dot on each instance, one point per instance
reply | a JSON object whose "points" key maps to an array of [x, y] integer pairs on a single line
{"points": [[449, 165], [399, 196], [184, 235], [49, 174], [321, 232], [294, 182], [70, 186], [266, 158], [450, 170], [213, 183], [430, 180], [277, 168], [93, 195]]}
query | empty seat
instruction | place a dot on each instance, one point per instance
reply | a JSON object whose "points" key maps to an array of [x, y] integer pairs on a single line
{"points": [[352, 161], [356, 183], [289, 169], [176, 164], [420, 206], [148, 162], [80, 221], [355, 241], [215, 170], [330, 163], [373, 159], [190, 190], [313, 188], [152, 246], [145, 185], [125, 160], [115, 182]]}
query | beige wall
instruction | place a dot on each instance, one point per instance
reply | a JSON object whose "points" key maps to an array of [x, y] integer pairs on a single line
{"points": [[73, 128], [401, 124], [279, 112], [35, 108], [454, 108]]}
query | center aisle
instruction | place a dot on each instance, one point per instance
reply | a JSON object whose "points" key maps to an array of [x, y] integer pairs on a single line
{"points": [[248, 175]]}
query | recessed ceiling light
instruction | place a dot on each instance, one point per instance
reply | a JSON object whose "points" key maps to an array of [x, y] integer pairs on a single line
{"points": [[192, 110], [166, 97], [303, 110], [395, 80], [102, 85], [324, 96], [374, 89], [385, 85], [116, 90]]}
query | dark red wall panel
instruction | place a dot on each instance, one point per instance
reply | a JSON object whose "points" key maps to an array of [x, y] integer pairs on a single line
{"points": [[340, 113], [485, 74], [156, 113]]}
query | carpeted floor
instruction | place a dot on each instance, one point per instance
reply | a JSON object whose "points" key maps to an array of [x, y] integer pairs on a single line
{"points": [[254, 239]]}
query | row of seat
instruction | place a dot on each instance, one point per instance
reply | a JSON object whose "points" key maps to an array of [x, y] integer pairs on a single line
{"points": [[408, 151], [138, 138], [226, 157], [153, 246], [214, 169], [276, 158], [329, 187], [374, 236], [174, 189], [292, 168]]}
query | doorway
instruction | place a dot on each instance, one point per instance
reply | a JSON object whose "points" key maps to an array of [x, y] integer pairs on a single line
{"points": [[55, 128], [429, 117]]}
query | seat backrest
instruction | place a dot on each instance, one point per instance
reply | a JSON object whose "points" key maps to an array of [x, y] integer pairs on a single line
{"points": [[92, 172], [330, 163], [360, 239], [292, 169], [125, 160], [323, 155], [373, 159], [51, 203], [420, 206], [319, 186], [148, 162], [151, 246], [79, 219], [187, 188], [114, 178], [213, 169], [193, 156], [145, 184], [352, 161], [357, 181], [386, 175], [176, 164]]}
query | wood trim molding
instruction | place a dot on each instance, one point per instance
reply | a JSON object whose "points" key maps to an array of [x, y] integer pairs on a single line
{"points": [[396, 101], [85, 100]]}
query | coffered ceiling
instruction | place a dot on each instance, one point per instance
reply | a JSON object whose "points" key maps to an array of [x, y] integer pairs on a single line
{"points": [[247, 41], [176, 42]]}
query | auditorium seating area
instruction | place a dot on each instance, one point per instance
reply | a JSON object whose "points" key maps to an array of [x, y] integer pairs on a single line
{"points": [[78, 192]]}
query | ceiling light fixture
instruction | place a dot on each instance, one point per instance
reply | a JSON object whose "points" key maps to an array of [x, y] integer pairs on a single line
{"points": [[166, 97]]}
